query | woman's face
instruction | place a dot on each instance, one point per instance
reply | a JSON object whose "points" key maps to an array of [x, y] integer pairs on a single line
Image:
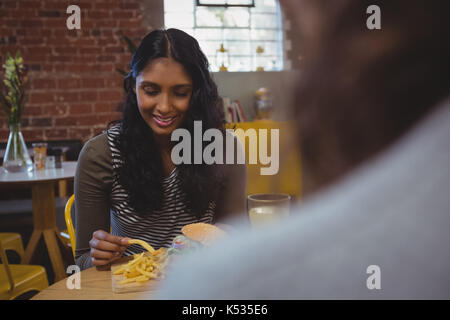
{"points": [[163, 91]]}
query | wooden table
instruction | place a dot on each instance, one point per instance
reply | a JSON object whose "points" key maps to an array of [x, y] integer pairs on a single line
{"points": [[95, 285], [42, 183]]}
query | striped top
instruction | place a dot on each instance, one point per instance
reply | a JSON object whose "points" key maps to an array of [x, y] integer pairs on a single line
{"points": [[159, 227], [101, 202]]}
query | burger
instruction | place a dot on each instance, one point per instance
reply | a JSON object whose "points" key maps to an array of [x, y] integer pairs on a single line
{"points": [[196, 236]]}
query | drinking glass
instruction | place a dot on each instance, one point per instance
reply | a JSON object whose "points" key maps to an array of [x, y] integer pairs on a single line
{"points": [[268, 208], [40, 153]]}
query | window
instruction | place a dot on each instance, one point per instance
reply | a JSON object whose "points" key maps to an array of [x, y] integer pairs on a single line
{"points": [[226, 3], [241, 30]]}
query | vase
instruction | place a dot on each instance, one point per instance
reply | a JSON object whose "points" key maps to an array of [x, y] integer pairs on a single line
{"points": [[16, 158]]}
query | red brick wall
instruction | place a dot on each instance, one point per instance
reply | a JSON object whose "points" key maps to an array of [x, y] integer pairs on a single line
{"points": [[74, 88]]}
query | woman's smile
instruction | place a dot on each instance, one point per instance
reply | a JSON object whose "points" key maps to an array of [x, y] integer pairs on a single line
{"points": [[164, 121]]}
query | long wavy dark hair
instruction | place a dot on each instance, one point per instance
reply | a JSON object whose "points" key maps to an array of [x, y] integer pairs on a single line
{"points": [[141, 173]]}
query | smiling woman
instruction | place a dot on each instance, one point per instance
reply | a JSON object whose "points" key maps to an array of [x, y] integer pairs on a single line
{"points": [[126, 180], [163, 91]]}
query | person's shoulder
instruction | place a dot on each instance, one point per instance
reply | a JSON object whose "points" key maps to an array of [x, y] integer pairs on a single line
{"points": [[100, 141], [97, 143], [97, 149]]}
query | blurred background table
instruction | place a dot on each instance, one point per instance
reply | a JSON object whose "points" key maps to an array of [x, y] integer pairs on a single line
{"points": [[45, 232], [31, 151]]}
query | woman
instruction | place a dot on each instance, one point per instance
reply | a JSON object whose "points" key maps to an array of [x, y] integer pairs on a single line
{"points": [[126, 180]]}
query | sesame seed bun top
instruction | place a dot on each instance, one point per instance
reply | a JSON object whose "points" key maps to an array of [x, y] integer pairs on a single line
{"points": [[203, 232]]}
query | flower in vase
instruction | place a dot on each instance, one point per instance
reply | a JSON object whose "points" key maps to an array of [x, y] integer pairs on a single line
{"points": [[12, 93], [12, 99]]}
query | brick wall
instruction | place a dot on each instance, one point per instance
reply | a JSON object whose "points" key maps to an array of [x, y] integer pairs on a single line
{"points": [[74, 88]]}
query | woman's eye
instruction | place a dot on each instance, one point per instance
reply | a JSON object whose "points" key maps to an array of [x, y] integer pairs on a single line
{"points": [[150, 92], [179, 94]]}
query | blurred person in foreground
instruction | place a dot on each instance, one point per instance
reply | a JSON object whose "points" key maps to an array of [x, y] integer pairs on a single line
{"points": [[374, 117]]}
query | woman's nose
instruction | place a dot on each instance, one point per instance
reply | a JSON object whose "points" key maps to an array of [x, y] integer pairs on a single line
{"points": [[164, 105]]}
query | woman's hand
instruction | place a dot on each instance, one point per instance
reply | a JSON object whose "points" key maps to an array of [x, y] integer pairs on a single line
{"points": [[106, 247]]}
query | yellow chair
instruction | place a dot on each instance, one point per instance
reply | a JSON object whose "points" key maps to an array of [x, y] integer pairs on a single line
{"points": [[17, 279], [70, 232], [12, 241]]}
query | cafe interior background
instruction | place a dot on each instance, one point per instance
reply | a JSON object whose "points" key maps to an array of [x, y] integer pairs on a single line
{"points": [[75, 80]]}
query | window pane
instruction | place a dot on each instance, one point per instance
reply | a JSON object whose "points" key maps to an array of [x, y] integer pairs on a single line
{"points": [[265, 6], [221, 17], [268, 63], [212, 1], [261, 20], [270, 48], [241, 2], [238, 47], [240, 64], [278, 65], [209, 17], [264, 34], [208, 34], [210, 48], [223, 2], [237, 17], [177, 6], [236, 34], [178, 20]]}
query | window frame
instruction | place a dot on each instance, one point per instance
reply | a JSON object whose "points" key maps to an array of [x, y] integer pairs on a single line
{"points": [[251, 57], [225, 5]]}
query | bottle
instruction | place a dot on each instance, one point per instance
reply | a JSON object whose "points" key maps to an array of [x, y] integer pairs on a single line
{"points": [[263, 104], [50, 159], [58, 158]]}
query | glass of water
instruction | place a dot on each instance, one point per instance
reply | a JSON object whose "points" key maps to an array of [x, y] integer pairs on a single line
{"points": [[268, 208]]}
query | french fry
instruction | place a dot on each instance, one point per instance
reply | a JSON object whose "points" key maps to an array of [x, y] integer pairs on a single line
{"points": [[144, 266], [143, 244]]}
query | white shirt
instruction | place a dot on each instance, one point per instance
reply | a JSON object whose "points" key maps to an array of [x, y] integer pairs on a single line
{"points": [[392, 212]]}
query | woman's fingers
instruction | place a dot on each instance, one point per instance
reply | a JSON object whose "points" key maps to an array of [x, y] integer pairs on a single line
{"points": [[103, 235], [103, 240], [101, 258], [100, 262], [104, 255], [105, 245]]}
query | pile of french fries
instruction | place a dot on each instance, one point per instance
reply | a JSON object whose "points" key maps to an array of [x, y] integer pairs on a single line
{"points": [[144, 266]]}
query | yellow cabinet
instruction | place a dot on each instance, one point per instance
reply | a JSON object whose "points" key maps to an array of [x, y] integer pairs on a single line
{"points": [[288, 178]]}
